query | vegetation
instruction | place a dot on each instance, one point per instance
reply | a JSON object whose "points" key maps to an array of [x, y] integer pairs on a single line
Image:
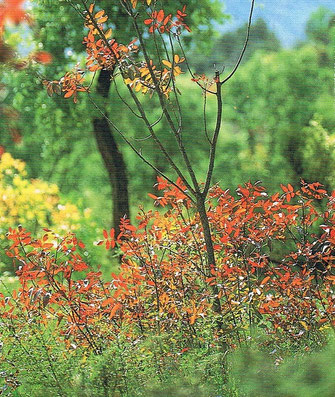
{"points": [[225, 50], [208, 290]]}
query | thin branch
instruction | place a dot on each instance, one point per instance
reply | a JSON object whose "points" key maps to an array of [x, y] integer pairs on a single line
{"points": [[157, 121], [166, 113], [143, 139], [124, 101], [219, 105], [215, 136], [190, 70], [205, 117], [139, 154], [139, 105], [244, 46], [175, 89], [158, 142]]}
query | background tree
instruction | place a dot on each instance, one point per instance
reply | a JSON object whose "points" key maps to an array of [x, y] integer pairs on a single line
{"points": [[225, 49], [279, 111], [319, 25]]}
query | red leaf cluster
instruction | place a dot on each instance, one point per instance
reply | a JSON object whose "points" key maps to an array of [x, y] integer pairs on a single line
{"points": [[165, 23]]}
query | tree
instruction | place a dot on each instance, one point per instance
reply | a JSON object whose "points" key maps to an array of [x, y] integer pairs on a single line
{"points": [[62, 39], [154, 75], [319, 25], [293, 88], [226, 48]]}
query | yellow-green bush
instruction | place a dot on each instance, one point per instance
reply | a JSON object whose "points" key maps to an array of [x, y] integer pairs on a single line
{"points": [[34, 203]]}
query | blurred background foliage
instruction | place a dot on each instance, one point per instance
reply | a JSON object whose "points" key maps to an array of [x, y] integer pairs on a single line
{"points": [[278, 110]]}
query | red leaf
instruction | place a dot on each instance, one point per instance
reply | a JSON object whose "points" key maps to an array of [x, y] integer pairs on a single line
{"points": [[130, 227], [284, 188], [69, 94], [114, 310], [107, 301], [160, 16], [166, 20]]}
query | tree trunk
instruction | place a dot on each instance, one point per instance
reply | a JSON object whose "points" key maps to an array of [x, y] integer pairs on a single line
{"points": [[112, 157]]}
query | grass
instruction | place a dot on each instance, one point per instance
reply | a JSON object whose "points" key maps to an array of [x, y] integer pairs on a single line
{"points": [[261, 367]]}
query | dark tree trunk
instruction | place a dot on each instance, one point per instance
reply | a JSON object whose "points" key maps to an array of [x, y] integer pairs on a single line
{"points": [[112, 157], [252, 140]]}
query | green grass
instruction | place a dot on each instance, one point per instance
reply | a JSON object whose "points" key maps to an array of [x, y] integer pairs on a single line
{"points": [[263, 367]]}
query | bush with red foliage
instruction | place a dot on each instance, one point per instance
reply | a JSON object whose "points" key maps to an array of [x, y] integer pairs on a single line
{"points": [[268, 271]]}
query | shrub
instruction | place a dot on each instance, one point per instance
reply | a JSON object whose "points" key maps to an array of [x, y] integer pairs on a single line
{"points": [[274, 271], [33, 203]]}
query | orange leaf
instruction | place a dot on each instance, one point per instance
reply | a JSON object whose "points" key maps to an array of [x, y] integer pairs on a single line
{"points": [[152, 196], [130, 227], [192, 319], [42, 57], [284, 188], [114, 310], [11, 11], [265, 280], [69, 94], [107, 301], [99, 14]]}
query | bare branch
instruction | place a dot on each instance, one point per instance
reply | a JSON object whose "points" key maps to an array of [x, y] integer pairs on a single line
{"points": [[215, 135], [124, 101], [244, 46], [190, 70], [205, 117]]}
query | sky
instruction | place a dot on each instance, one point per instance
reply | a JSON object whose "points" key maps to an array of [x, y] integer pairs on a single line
{"points": [[287, 18]]}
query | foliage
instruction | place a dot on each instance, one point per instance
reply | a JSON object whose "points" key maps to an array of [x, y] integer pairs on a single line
{"points": [[62, 148], [201, 275], [319, 25], [225, 51], [164, 284], [291, 93], [34, 203], [256, 141], [296, 373], [104, 52], [128, 370]]}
